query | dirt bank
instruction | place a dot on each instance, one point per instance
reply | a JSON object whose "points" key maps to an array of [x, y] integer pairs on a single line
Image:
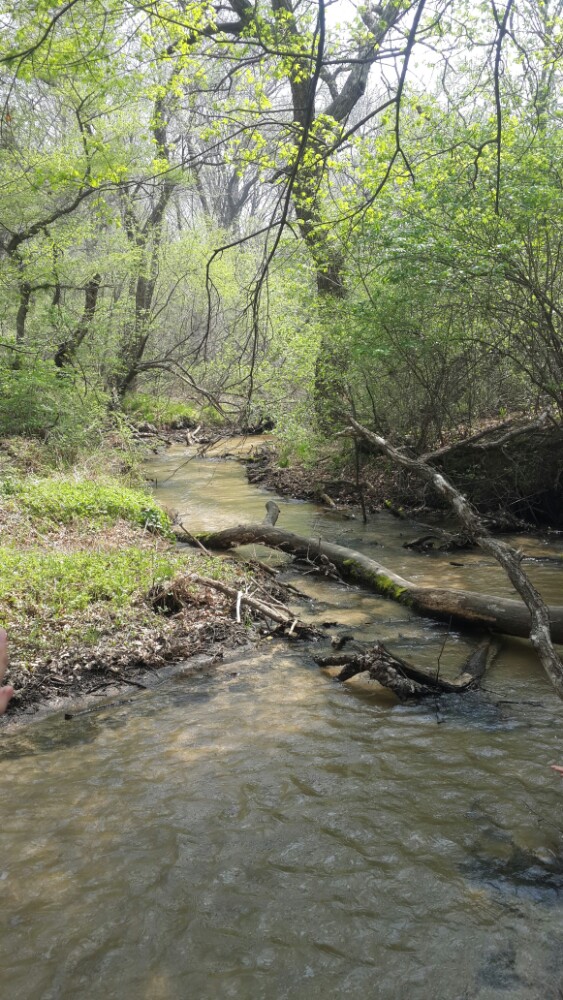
{"points": [[510, 470]]}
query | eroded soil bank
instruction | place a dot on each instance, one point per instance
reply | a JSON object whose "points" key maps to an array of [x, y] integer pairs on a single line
{"points": [[510, 470]]}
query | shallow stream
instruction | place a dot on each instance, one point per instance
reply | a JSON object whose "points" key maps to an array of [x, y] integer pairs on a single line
{"points": [[269, 833]]}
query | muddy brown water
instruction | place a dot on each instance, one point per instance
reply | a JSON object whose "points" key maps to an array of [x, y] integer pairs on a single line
{"points": [[268, 833]]}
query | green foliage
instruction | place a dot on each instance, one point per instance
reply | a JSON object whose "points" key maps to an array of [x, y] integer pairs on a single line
{"points": [[65, 501], [158, 410], [41, 402], [211, 417], [440, 216], [49, 600], [298, 442], [64, 583]]}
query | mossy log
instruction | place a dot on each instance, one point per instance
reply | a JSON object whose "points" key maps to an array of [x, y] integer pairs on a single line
{"points": [[464, 607]]}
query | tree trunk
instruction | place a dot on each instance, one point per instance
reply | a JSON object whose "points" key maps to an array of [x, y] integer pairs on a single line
{"points": [[465, 607], [67, 350], [543, 625]]}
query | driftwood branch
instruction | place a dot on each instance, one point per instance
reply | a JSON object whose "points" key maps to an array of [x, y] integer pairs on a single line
{"points": [[406, 680], [540, 616], [279, 614]]}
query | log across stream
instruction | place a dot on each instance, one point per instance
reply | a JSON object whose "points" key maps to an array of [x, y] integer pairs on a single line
{"points": [[486, 611]]}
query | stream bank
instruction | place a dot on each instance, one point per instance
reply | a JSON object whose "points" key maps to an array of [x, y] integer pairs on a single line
{"points": [[85, 554], [510, 469]]}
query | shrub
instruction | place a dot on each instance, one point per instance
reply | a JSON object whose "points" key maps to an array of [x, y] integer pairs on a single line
{"points": [[41, 402], [158, 410]]}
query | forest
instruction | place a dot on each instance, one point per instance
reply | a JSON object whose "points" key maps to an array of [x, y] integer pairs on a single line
{"points": [[338, 222], [281, 499], [283, 211]]}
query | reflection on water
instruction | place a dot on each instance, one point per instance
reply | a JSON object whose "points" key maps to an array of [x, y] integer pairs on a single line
{"points": [[276, 835]]}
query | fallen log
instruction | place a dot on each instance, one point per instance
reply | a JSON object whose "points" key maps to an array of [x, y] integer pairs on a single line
{"points": [[272, 512], [499, 614], [401, 677]]}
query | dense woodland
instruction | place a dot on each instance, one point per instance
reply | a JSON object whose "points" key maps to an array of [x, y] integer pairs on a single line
{"points": [[292, 210]]}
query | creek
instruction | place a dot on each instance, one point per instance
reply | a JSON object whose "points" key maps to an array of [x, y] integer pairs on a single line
{"points": [[269, 833]]}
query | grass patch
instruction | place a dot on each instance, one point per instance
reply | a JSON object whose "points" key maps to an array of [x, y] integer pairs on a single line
{"points": [[64, 501], [49, 599], [52, 584]]}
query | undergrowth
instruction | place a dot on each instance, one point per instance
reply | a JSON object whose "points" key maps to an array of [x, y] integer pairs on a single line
{"points": [[163, 412], [82, 551], [64, 500], [50, 599], [158, 410]]}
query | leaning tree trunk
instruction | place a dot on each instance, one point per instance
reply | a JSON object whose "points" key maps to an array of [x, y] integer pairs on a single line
{"points": [[540, 616], [66, 351]]}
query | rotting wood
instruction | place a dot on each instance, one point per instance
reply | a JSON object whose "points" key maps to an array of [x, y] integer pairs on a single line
{"points": [[499, 614], [402, 677]]}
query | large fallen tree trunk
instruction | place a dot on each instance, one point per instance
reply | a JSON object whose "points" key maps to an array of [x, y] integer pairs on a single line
{"points": [[500, 614], [542, 626]]}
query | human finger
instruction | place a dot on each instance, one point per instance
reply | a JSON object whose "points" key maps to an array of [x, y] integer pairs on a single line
{"points": [[5, 695]]}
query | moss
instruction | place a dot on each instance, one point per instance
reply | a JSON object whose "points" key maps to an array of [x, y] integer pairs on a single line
{"points": [[380, 582], [389, 588]]}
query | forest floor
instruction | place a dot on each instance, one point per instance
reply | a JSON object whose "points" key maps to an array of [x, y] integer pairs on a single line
{"points": [[88, 562]]}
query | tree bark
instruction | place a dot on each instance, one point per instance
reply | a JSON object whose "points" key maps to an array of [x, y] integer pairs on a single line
{"points": [[543, 623], [499, 614]]}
